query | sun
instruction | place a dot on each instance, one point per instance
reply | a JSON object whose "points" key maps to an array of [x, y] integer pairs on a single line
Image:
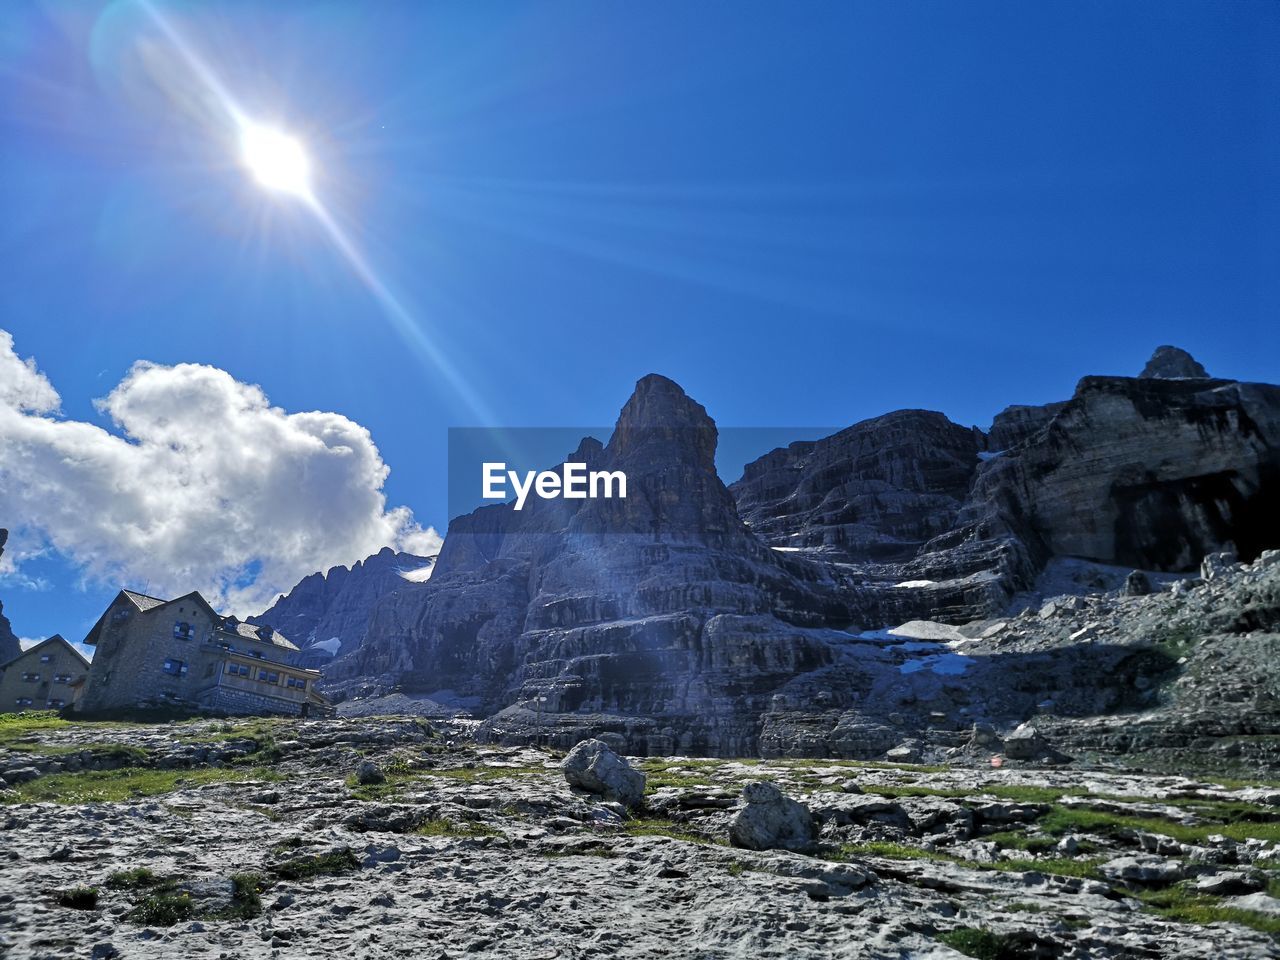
{"points": [[277, 161]]}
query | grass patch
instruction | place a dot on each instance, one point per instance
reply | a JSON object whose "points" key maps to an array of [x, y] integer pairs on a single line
{"points": [[323, 864], [1021, 841], [15, 725], [126, 783], [1062, 820], [657, 827], [1025, 908], [684, 773], [135, 879], [485, 774], [389, 789], [983, 944], [77, 898], [467, 829], [808, 762], [1057, 866], [162, 909], [246, 897], [1060, 867], [287, 844], [1180, 904]]}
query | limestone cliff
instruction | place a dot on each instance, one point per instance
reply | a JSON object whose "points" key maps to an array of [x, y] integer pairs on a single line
{"points": [[673, 618], [661, 605], [326, 613]]}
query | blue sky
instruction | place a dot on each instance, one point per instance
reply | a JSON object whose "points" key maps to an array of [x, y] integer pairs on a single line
{"points": [[805, 214]]}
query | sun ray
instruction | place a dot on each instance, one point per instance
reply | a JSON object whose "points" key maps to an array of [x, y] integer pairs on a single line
{"points": [[279, 162]]}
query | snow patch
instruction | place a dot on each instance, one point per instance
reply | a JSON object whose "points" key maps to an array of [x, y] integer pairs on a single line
{"points": [[329, 646], [945, 664], [420, 574], [916, 583]]}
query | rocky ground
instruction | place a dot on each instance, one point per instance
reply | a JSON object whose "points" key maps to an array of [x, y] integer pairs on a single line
{"points": [[258, 838]]}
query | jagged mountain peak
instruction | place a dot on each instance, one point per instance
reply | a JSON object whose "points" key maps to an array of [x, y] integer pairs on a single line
{"points": [[660, 413], [1173, 363]]}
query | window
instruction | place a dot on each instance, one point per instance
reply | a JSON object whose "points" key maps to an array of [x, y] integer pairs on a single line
{"points": [[183, 631], [57, 704], [62, 678], [298, 683], [232, 668], [46, 657], [31, 677], [24, 701], [244, 670], [119, 615], [268, 676], [175, 668]]}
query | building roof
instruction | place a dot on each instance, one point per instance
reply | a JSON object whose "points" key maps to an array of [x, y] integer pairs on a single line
{"points": [[55, 639], [142, 601], [251, 632], [147, 604]]}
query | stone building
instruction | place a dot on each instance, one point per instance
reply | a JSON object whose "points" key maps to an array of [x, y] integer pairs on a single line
{"points": [[48, 676], [183, 653]]}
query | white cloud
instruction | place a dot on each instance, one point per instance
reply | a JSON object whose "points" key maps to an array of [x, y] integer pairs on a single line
{"points": [[203, 485], [22, 386]]}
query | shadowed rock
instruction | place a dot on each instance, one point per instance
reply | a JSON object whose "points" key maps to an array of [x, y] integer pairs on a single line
{"points": [[1173, 363], [769, 820]]}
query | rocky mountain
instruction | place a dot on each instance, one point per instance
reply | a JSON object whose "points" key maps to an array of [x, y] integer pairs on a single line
{"points": [[695, 618], [9, 646], [326, 613], [1173, 363], [662, 603], [1151, 472]]}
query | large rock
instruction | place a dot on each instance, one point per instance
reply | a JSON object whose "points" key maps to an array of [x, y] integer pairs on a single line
{"points": [[768, 820], [593, 767], [1144, 870], [1024, 743]]}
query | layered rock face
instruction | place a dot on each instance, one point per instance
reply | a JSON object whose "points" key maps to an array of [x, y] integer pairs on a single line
{"points": [[326, 613], [660, 610], [877, 491], [666, 623], [9, 646], [1150, 472]]}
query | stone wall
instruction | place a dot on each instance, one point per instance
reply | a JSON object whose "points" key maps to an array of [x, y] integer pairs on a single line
{"points": [[229, 700], [128, 667]]}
